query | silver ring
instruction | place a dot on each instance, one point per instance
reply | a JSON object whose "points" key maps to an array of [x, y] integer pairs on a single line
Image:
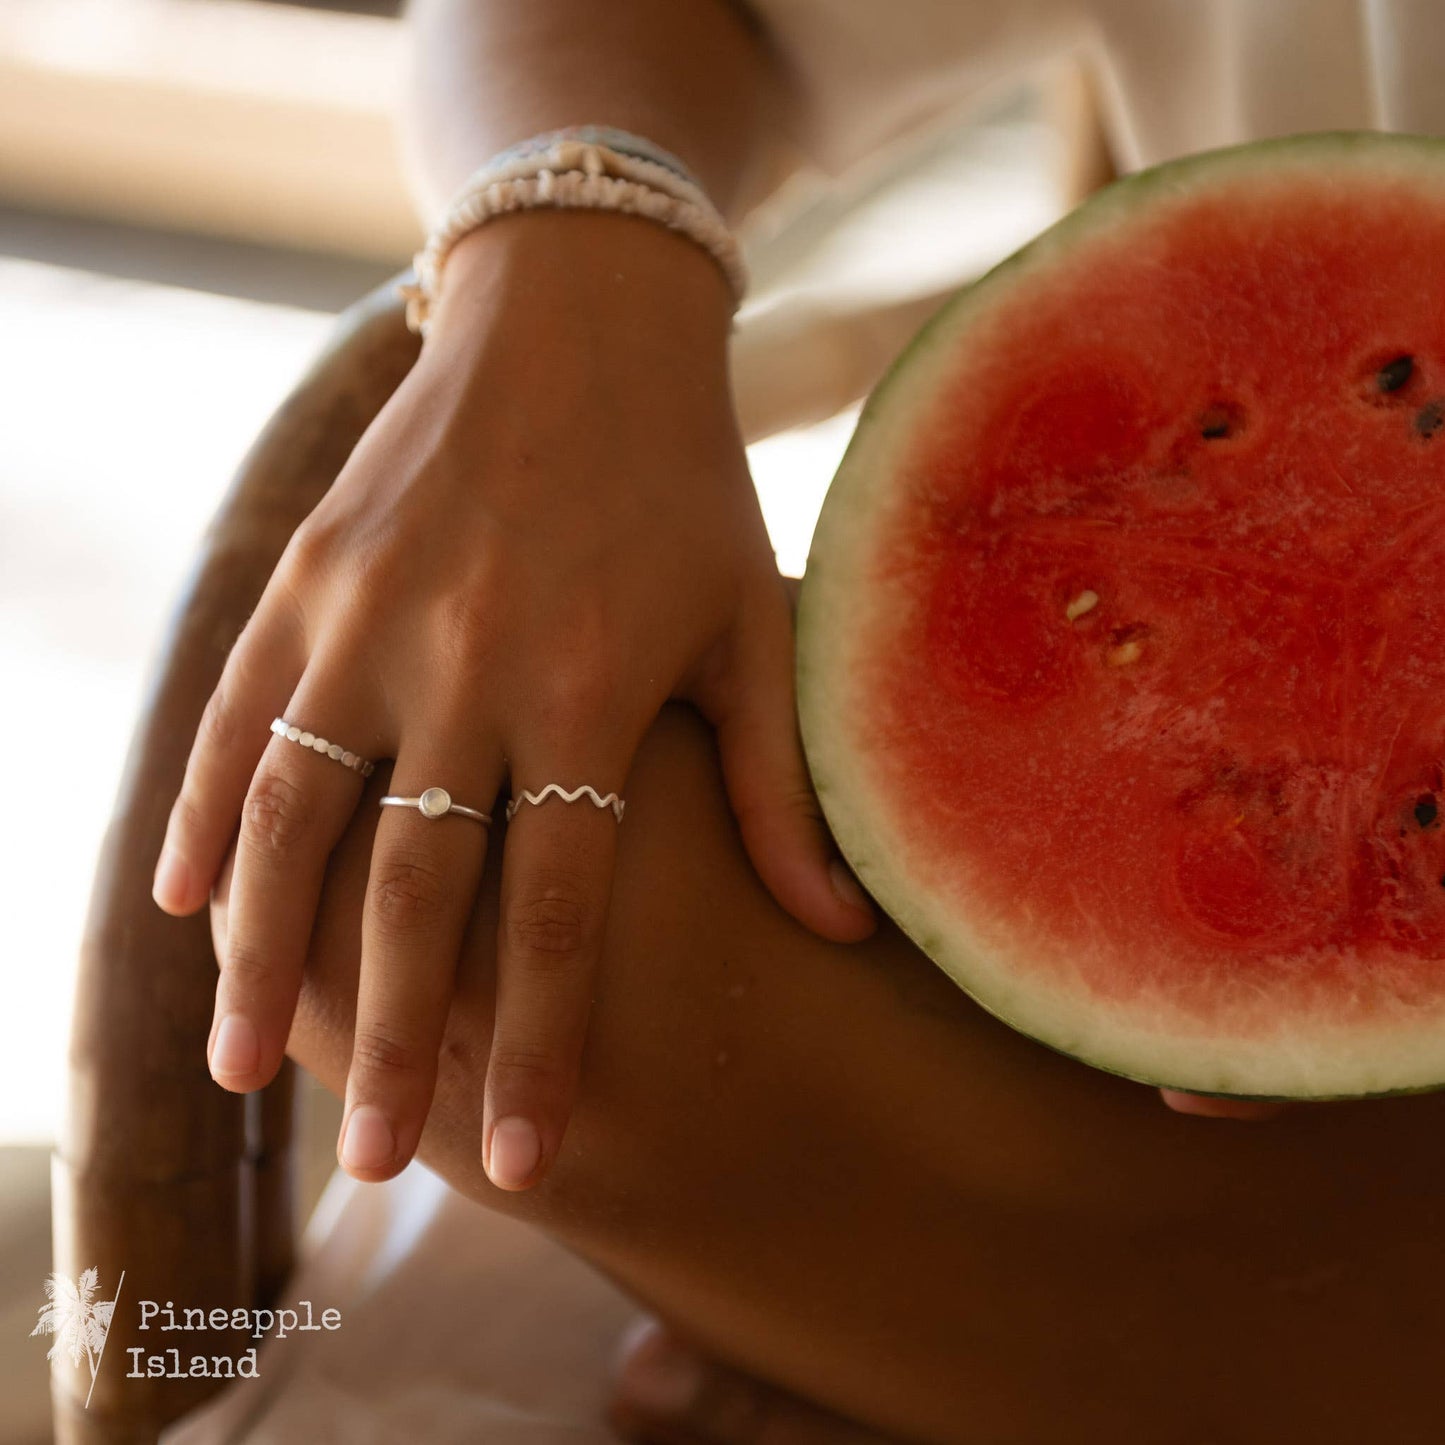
{"points": [[334, 751], [610, 801], [434, 803]]}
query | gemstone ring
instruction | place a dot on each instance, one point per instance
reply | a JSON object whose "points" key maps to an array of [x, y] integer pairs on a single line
{"points": [[434, 803]]}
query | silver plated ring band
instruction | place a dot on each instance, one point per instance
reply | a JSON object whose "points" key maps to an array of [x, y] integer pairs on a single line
{"points": [[334, 751], [611, 800], [434, 803]]}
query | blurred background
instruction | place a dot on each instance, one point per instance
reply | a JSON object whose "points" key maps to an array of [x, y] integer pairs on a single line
{"points": [[190, 190]]}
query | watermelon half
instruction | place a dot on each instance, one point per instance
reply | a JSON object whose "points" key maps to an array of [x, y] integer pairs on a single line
{"points": [[1121, 648]]}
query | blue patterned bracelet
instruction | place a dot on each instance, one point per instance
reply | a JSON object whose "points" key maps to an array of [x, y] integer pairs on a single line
{"points": [[622, 141]]}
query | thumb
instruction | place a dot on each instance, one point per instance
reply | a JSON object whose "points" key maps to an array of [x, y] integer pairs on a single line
{"points": [[747, 694], [667, 1394]]}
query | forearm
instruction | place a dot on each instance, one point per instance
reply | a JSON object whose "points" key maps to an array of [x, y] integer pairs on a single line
{"points": [[695, 76]]}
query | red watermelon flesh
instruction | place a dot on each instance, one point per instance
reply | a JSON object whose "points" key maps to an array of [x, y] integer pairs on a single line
{"points": [[1122, 654]]}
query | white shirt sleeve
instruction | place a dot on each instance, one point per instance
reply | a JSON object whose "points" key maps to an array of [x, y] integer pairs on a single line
{"points": [[1174, 76]]}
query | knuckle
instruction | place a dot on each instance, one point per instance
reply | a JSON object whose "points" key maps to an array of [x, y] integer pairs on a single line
{"points": [[277, 815], [467, 617], [568, 709], [188, 819], [220, 727], [468, 633], [380, 1049], [376, 568], [798, 801], [310, 551], [247, 970], [317, 550], [585, 687], [528, 1067], [803, 801], [580, 679], [776, 812], [407, 892], [551, 922]]}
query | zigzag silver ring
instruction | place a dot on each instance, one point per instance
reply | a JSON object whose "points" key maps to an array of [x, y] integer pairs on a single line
{"points": [[334, 751], [610, 801]]}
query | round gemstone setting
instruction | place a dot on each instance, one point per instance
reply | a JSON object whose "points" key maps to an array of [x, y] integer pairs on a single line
{"points": [[434, 802]]}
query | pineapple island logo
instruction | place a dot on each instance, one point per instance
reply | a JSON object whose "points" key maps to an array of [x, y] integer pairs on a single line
{"points": [[80, 1323], [78, 1320]]}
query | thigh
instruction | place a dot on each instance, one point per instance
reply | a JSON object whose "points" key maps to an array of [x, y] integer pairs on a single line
{"points": [[826, 1165]]}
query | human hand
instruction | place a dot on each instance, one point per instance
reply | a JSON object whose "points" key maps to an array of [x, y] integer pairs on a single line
{"points": [[547, 532]]}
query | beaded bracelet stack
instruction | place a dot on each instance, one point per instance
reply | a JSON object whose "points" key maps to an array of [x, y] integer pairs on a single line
{"points": [[580, 167]]}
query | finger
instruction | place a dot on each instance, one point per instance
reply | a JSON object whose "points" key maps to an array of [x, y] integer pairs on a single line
{"points": [[259, 676], [296, 809], [1204, 1107], [749, 697], [424, 876], [556, 881], [667, 1392]]}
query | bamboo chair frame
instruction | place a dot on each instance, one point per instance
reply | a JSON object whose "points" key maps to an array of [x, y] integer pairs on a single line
{"points": [[161, 1173]]}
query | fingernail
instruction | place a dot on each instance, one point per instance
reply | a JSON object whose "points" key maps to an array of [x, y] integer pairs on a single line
{"points": [[661, 1378], [516, 1148], [237, 1049], [172, 883], [847, 887], [1204, 1107], [368, 1142]]}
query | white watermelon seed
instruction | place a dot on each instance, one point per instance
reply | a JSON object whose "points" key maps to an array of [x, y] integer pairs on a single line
{"points": [[1084, 602], [1125, 653]]}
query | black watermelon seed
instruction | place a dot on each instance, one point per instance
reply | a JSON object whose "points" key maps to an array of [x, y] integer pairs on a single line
{"points": [[1429, 418], [1216, 423], [1442, 882], [1425, 810], [1393, 375]]}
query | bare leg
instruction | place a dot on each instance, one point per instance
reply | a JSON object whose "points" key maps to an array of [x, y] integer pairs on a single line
{"points": [[825, 1165]]}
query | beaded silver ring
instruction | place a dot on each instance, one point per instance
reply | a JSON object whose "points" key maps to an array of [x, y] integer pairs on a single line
{"points": [[334, 751]]}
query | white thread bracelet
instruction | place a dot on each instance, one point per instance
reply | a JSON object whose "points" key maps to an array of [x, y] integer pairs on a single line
{"points": [[623, 142], [573, 174]]}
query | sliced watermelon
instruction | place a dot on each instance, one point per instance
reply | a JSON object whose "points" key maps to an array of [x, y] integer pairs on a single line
{"points": [[1121, 648]]}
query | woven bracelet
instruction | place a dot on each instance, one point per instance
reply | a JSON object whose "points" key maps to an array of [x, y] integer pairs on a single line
{"points": [[575, 172]]}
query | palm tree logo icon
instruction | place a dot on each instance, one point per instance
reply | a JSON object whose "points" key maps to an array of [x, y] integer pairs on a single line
{"points": [[78, 1320]]}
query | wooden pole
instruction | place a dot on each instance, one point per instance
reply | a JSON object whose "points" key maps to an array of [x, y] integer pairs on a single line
{"points": [[159, 1172]]}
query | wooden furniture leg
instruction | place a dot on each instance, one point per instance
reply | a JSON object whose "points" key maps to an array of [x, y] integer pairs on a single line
{"points": [[161, 1173]]}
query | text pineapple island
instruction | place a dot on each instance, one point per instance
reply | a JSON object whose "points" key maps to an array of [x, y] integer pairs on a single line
{"points": [[258, 1323]]}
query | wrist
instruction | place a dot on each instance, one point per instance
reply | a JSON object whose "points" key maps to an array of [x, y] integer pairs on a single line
{"points": [[575, 268]]}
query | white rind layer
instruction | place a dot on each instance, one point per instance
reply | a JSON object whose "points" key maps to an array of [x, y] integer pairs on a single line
{"points": [[1307, 1057]]}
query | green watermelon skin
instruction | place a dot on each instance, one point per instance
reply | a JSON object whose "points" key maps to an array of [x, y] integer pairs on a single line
{"points": [[1185, 831]]}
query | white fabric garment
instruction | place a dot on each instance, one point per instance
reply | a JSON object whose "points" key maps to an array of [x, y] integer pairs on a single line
{"points": [[460, 1326], [1174, 76]]}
